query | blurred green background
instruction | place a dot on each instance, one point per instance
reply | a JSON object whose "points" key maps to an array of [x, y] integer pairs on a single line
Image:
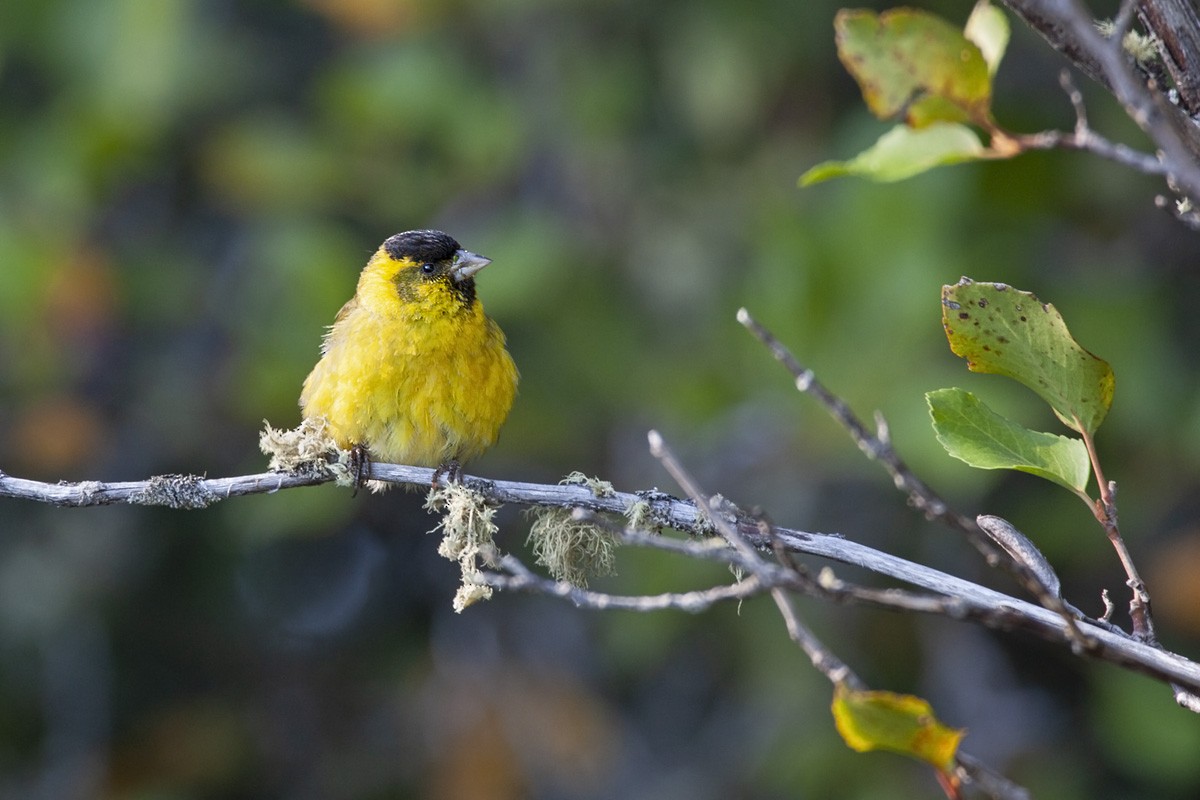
{"points": [[187, 192]]}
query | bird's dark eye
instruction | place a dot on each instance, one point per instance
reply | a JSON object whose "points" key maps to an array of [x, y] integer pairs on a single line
{"points": [[428, 269]]}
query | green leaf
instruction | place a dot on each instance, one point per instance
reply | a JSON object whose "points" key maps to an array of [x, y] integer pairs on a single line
{"points": [[903, 152], [988, 28], [901, 723], [903, 57], [974, 433], [1004, 331]]}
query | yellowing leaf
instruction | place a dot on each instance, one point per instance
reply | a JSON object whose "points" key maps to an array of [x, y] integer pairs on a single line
{"points": [[933, 109], [1004, 331], [987, 27], [901, 723], [903, 152], [913, 63]]}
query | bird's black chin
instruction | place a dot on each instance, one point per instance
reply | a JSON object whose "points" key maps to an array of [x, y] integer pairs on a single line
{"points": [[464, 290]]}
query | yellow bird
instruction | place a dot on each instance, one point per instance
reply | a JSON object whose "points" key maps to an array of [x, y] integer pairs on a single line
{"points": [[412, 370]]}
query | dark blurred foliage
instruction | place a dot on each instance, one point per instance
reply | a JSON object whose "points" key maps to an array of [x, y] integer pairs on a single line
{"points": [[187, 192]]}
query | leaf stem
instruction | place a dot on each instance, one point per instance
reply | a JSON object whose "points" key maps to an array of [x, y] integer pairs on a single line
{"points": [[1105, 510]]}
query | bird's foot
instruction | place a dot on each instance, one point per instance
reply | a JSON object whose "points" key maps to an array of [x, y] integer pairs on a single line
{"points": [[360, 466], [450, 470]]}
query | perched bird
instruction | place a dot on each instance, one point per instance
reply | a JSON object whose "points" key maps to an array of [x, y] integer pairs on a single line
{"points": [[412, 370]]}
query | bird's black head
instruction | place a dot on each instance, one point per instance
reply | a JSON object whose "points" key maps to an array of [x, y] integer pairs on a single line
{"points": [[431, 257], [421, 246]]}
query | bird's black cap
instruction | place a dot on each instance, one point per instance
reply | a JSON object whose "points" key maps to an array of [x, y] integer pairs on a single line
{"points": [[423, 246]]}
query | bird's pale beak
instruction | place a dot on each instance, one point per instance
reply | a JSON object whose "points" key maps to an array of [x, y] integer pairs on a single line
{"points": [[467, 264]]}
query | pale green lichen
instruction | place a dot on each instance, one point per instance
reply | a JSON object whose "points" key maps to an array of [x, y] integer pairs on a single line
{"points": [[308, 447], [468, 533], [1143, 47], [571, 550], [641, 516], [470, 593], [739, 575], [595, 485]]}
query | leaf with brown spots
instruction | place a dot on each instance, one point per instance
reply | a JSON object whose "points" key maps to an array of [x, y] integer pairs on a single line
{"points": [[1004, 331], [913, 63]]}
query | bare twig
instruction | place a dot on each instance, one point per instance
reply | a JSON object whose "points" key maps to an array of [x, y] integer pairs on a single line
{"points": [[716, 509], [795, 577], [521, 579], [1083, 138], [823, 659], [988, 780], [921, 496], [1123, 21], [1070, 28], [878, 447], [1022, 549], [875, 447]]}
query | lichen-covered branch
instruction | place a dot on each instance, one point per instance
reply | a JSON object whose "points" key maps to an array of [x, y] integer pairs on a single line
{"points": [[651, 509], [170, 491]]}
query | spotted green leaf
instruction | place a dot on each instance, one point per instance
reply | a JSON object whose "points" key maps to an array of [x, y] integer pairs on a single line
{"points": [[1004, 331]]}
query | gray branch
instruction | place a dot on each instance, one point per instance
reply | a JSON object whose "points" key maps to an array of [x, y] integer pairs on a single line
{"points": [[971, 601]]}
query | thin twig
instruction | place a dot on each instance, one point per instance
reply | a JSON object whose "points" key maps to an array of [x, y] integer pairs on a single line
{"points": [[988, 780], [823, 659], [716, 510], [1123, 22], [1070, 28], [1084, 139], [521, 579], [878, 447], [826, 586]]}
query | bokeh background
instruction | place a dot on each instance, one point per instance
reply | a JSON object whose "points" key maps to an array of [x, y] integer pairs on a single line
{"points": [[188, 189]]}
